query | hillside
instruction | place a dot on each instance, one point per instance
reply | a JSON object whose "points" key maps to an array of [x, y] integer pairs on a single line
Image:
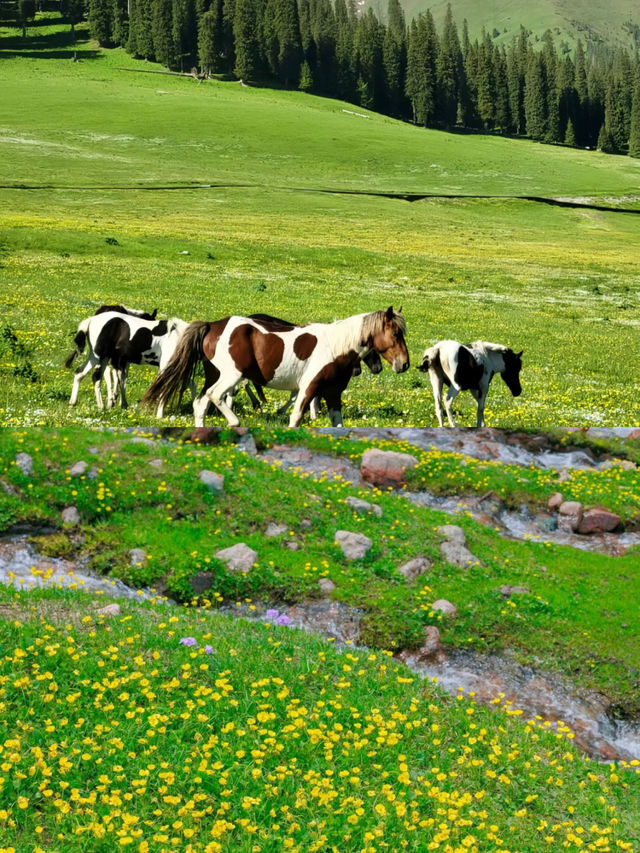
{"points": [[615, 23]]}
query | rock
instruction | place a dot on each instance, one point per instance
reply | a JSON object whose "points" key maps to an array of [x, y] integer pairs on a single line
{"points": [[354, 545], [202, 582], [326, 585], [598, 520], [93, 473], [431, 646], [109, 610], [363, 507], [247, 444], [214, 482], [70, 515], [507, 590], [569, 516], [453, 533], [140, 439], [274, 530], [78, 469], [415, 567], [94, 451], [454, 548], [555, 501], [444, 606], [386, 467], [137, 556], [156, 463], [634, 434], [306, 522], [25, 463], [292, 545], [239, 558], [205, 435]]}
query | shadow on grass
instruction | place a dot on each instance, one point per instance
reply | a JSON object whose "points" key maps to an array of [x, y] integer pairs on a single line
{"points": [[47, 45], [52, 54]]}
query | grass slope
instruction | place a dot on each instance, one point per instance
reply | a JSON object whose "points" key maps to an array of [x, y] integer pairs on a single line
{"points": [[257, 738], [559, 283], [595, 21], [579, 620]]}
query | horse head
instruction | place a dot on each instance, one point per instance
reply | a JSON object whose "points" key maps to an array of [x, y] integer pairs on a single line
{"points": [[373, 361], [511, 372], [388, 340]]}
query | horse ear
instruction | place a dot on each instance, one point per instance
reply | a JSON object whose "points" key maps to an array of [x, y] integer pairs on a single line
{"points": [[400, 310], [389, 313], [519, 354]]}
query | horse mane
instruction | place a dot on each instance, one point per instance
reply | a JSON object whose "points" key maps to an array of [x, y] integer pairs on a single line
{"points": [[485, 347], [353, 332]]}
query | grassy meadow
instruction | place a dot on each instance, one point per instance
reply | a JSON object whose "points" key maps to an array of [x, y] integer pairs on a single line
{"points": [[579, 619], [92, 139]]}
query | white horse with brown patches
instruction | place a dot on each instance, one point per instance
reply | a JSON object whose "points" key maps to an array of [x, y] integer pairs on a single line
{"points": [[469, 367], [315, 360]]}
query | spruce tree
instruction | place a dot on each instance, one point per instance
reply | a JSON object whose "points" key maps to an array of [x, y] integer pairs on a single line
{"points": [[163, 46], [306, 77], [345, 34], [605, 141], [549, 65], [486, 83], [100, 21], [368, 45], [422, 57], [634, 132], [246, 40], [287, 28], [535, 99], [26, 13], [208, 35], [570, 136], [394, 57], [449, 71], [503, 119], [72, 11]]}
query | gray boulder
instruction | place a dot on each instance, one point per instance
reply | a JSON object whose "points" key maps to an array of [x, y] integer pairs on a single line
{"points": [[214, 482], [239, 558], [25, 463], [354, 545], [363, 507], [415, 567]]}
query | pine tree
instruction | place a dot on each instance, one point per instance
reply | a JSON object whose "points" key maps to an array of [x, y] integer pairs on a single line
{"points": [[163, 46], [394, 57], [287, 28], [502, 110], [486, 83], [570, 136], [184, 32], [306, 77], [535, 99], [119, 22], [72, 11], [368, 45], [100, 21], [246, 41], [549, 66], [605, 141], [345, 34], [210, 40], [26, 13], [422, 57], [449, 71], [634, 132]]}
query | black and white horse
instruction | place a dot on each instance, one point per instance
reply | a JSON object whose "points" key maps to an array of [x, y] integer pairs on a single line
{"points": [[469, 367], [120, 340], [110, 375]]}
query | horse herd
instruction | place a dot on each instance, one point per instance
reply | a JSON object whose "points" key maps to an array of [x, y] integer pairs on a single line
{"points": [[313, 362]]}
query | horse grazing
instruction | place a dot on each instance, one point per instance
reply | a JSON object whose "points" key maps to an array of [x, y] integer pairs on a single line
{"points": [[110, 375], [469, 367], [371, 359], [315, 360], [120, 340]]}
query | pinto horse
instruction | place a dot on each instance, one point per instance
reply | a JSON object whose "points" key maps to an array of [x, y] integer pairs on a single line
{"points": [[371, 359], [315, 360], [120, 340], [469, 367]]}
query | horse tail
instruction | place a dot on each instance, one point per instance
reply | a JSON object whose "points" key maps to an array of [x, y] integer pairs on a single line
{"points": [[430, 358], [180, 370], [80, 341]]}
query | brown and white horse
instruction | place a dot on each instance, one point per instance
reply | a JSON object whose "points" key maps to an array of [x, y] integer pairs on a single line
{"points": [[469, 367], [315, 360]]}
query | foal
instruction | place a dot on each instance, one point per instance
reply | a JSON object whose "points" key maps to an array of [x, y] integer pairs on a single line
{"points": [[469, 367], [315, 360]]}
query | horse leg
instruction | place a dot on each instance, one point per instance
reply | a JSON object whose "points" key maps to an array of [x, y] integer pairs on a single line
{"points": [[217, 393], [284, 409], [255, 402], [451, 394], [314, 408], [333, 399], [98, 373], [112, 385], [436, 384], [91, 362], [305, 395], [123, 374], [481, 396]]}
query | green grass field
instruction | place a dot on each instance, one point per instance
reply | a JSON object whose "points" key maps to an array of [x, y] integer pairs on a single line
{"points": [[559, 283]]}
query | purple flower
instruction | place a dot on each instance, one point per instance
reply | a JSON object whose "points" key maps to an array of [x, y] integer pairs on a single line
{"points": [[188, 641], [283, 619], [208, 650], [272, 614]]}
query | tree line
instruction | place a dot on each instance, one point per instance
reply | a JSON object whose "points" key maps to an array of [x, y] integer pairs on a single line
{"points": [[439, 79]]}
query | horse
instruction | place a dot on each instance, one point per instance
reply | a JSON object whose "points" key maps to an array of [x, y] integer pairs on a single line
{"points": [[371, 359], [120, 340], [314, 360], [469, 367], [110, 376]]}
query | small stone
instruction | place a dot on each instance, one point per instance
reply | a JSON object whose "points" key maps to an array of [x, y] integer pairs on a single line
{"points": [[555, 501], [363, 507], [94, 451], [354, 545], [247, 444], [292, 545], [156, 463], [598, 520], [78, 469], [109, 610], [415, 567], [386, 467], [306, 523], [458, 555], [214, 482], [70, 515], [201, 582], [507, 590], [239, 558], [431, 645], [137, 556], [453, 533], [444, 606], [569, 516], [25, 463], [140, 439], [93, 472], [274, 530], [326, 585]]}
